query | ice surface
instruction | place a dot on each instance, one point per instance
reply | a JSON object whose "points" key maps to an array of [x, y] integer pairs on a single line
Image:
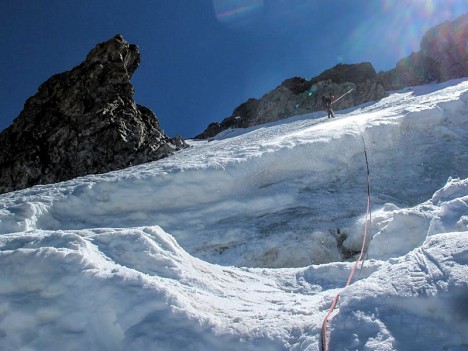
{"points": [[240, 243]]}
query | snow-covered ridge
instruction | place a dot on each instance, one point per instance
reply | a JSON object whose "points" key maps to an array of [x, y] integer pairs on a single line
{"points": [[151, 257]]}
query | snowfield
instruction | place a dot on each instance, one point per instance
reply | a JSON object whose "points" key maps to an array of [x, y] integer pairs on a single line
{"points": [[242, 242]]}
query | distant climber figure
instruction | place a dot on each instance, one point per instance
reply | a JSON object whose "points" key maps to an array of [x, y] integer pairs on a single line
{"points": [[327, 101]]}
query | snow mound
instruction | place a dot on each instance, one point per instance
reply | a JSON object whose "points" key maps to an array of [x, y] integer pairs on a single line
{"points": [[445, 212], [416, 302], [135, 288], [121, 289]]}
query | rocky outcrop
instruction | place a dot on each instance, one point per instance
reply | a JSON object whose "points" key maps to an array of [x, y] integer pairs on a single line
{"points": [[83, 121], [297, 96], [358, 73], [443, 56]]}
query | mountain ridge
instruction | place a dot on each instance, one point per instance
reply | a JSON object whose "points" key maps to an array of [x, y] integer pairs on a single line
{"points": [[443, 56]]}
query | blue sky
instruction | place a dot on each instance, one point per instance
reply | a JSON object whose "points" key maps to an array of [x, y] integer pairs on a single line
{"points": [[202, 58]]}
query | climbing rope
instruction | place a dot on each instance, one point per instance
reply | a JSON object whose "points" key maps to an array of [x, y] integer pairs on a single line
{"points": [[325, 338]]}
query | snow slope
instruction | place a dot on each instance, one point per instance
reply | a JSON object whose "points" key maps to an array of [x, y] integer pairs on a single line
{"points": [[242, 242]]}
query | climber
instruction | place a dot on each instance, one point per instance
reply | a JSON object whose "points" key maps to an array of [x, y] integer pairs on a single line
{"points": [[327, 101]]}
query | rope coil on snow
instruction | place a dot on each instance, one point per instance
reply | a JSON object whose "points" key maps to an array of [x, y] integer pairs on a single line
{"points": [[324, 333]]}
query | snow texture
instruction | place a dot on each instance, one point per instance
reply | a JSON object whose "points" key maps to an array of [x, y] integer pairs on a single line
{"points": [[241, 242]]}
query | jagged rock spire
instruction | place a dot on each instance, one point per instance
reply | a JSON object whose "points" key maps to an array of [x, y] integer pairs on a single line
{"points": [[83, 121]]}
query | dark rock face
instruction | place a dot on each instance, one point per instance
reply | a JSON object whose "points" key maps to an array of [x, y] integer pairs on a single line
{"points": [[358, 74], [297, 96], [83, 121], [443, 56]]}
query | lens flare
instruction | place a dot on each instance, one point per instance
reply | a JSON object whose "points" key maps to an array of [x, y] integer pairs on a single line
{"points": [[396, 28], [313, 90], [232, 11]]}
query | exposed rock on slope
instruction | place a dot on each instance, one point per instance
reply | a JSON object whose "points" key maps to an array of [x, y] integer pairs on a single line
{"points": [[297, 96], [83, 121]]}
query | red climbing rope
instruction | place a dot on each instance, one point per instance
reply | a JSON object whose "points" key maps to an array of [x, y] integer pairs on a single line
{"points": [[325, 338]]}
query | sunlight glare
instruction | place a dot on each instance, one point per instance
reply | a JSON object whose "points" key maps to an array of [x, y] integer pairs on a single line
{"points": [[235, 11], [403, 28]]}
